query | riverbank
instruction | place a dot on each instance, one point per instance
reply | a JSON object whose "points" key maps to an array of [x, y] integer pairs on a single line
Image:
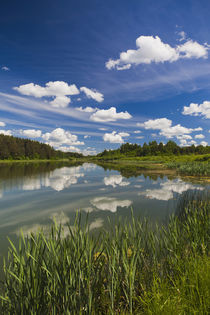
{"points": [[135, 268], [37, 161], [190, 165]]}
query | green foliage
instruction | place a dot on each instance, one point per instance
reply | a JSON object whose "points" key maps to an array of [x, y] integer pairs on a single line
{"points": [[135, 268], [191, 168], [14, 148], [152, 149]]}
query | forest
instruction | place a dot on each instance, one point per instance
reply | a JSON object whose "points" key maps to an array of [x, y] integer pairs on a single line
{"points": [[15, 148], [153, 148]]}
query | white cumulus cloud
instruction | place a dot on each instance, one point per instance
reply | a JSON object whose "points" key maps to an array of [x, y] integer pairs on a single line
{"points": [[160, 123], [2, 124], [191, 49], [87, 109], [204, 143], [71, 148], [200, 136], [60, 101], [59, 137], [31, 133], [57, 89], [153, 49], [175, 131], [198, 110], [106, 115], [6, 132], [166, 128], [185, 143], [115, 137], [184, 137]]}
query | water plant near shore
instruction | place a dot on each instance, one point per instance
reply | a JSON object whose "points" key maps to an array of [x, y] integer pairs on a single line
{"points": [[134, 268], [191, 168]]}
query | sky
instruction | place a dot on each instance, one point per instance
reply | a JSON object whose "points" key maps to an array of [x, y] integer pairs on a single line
{"points": [[84, 76]]}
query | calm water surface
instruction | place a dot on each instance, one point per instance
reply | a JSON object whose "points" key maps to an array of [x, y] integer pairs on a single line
{"points": [[32, 195]]}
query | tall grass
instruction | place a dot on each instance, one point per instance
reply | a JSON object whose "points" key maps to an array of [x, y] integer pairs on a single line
{"points": [[191, 168], [135, 268]]}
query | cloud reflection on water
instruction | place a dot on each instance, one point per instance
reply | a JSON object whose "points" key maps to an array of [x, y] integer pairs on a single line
{"points": [[58, 180], [115, 180], [168, 189], [61, 219], [110, 203]]}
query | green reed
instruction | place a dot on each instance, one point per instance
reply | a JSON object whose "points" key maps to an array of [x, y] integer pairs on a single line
{"points": [[134, 268], [191, 168]]}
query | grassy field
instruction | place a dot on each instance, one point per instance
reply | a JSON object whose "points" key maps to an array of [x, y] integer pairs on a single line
{"points": [[134, 268]]}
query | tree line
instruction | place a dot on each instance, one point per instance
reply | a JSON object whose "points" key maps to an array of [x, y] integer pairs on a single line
{"points": [[153, 148], [19, 149]]}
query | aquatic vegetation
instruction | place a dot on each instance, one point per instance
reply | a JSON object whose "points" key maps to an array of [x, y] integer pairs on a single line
{"points": [[191, 168], [134, 268]]}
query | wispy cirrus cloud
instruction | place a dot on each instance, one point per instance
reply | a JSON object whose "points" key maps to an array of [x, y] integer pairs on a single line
{"points": [[23, 110], [92, 93], [182, 35]]}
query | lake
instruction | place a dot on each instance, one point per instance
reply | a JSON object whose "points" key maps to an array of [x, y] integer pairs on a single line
{"points": [[32, 195]]}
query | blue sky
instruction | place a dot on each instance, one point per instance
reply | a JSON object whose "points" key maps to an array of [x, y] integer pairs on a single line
{"points": [[88, 75]]}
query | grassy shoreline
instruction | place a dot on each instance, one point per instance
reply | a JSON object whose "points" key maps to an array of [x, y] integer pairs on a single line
{"points": [[36, 161], [182, 166], [132, 269], [192, 165]]}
